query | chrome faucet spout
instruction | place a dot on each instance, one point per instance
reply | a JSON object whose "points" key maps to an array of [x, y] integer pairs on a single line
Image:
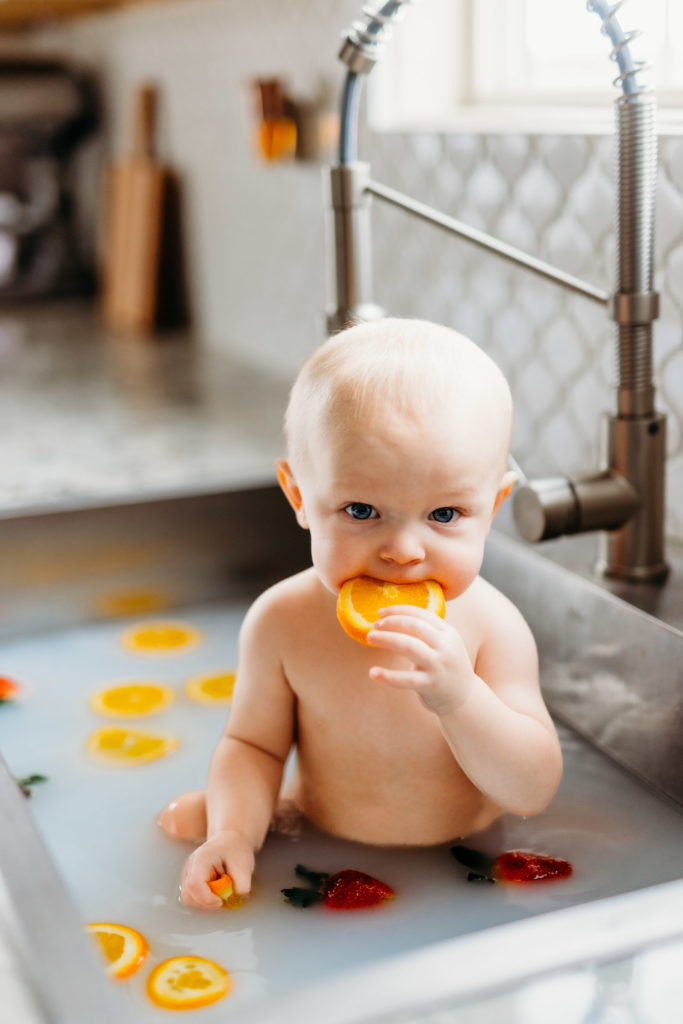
{"points": [[625, 498]]}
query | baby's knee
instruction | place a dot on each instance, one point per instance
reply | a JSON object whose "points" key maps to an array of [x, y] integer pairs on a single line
{"points": [[185, 817]]}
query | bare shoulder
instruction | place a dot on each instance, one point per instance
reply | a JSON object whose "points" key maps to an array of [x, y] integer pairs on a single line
{"points": [[278, 606], [496, 612], [505, 646]]}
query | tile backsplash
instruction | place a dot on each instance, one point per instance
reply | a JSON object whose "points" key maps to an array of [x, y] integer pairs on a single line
{"points": [[255, 232]]}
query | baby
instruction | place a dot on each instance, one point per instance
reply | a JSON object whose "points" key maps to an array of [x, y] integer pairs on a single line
{"points": [[398, 434]]}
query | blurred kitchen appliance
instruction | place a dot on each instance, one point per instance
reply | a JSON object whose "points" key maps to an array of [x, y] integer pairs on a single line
{"points": [[47, 109]]}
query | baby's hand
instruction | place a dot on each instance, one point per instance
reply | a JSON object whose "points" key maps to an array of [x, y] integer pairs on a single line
{"points": [[441, 672], [224, 853]]}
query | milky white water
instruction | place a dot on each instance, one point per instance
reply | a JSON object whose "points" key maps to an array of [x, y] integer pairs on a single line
{"points": [[99, 823]]}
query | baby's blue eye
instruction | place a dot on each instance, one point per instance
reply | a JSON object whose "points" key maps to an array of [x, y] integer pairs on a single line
{"points": [[444, 515], [360, 510]]}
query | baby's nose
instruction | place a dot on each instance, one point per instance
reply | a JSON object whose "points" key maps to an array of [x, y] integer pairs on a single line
{"points": [[403, 547]]}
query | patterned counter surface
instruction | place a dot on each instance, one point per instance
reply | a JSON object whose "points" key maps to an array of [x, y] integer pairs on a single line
{"points": [[87, 417]]}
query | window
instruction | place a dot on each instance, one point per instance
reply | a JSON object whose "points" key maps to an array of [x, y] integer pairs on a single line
{"points": [[521, 65]]}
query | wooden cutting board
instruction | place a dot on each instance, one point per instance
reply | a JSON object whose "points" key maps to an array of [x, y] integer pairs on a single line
{"points": [[134, 200]]}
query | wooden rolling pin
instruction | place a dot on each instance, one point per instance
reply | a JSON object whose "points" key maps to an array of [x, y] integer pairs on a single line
{"points": [[135, 203]]}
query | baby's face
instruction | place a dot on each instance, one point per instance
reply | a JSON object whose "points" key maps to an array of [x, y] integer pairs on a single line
{"points": [[401, 504]]}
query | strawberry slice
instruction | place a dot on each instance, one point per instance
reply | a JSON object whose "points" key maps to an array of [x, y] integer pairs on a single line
{"points": [[353, 890], [345, 890], [512, 866], [521, 866]]}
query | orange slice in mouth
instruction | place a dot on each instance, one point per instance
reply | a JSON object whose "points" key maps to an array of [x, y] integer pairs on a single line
{"points": [[187, 982], [122, 947], [128, 746], [160, 637], [132, 700], [213, 688], [361, 598]]}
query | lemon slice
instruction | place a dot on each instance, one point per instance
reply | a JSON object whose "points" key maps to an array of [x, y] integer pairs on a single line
{"points": [[361, 598], [122, 948], [160, 637], [130, 700], [212, 688], [187, 982], [129, 746]]}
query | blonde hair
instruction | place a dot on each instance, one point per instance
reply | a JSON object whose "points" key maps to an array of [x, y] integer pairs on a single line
{"points": [[393, 367]]}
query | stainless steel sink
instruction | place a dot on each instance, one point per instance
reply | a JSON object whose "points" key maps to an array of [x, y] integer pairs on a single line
{"points": [[611, 674]]}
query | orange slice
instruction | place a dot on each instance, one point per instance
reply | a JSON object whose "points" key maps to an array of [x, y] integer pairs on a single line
{"points": [[123, 948], [361, 598], [160, 637], [187, 982], [132, 699], [223, 886], [9, 690], [120, 603], [129, 746], [213, 688]]}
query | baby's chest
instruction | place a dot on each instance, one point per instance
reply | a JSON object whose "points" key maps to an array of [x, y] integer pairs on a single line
{"points": [[339, 703]]}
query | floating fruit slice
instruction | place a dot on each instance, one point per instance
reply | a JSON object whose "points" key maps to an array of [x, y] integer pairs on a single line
{"points": [[214, 688], [346, 890], [160, 637], [223, 886], [361, 598], [9, 690], [122, 947], [129, 746], [130, 700], [517, 866], [187, 982], [521, 866], [121, 603]]}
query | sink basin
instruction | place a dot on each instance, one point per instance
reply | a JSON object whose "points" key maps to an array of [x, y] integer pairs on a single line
{"points": [[90, 828]]}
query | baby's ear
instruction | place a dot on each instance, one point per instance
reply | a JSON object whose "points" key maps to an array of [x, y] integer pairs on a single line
{"points": [[506, 484], [291, 491]]}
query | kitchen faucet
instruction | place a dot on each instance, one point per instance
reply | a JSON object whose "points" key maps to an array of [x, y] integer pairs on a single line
{"points": [[625, 499]]}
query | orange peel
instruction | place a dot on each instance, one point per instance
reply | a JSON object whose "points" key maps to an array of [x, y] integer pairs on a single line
{"points": [[361, 598], [187, 982], [124, 949]]}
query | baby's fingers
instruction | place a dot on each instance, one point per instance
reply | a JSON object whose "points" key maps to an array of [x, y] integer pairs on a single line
{"points": [[404, 679], [203, 867], [407, 624], [195, 892], [413, 647], [414, 612]]}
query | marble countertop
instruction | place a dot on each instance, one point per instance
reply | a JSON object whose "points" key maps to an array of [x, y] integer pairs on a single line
{"points": [[88, 417]]}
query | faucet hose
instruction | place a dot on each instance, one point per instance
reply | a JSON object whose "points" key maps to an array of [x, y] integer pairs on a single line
{"points": [[636, 185]]}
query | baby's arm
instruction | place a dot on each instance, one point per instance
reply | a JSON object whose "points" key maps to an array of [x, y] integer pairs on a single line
{"points": [[492, 715], [246, 767]]}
